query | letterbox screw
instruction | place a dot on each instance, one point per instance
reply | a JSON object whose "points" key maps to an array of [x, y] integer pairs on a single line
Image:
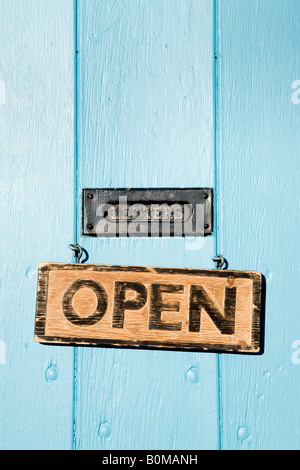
{"points": [[205, 196], [90, 196], [206, 226], [90, 226]]}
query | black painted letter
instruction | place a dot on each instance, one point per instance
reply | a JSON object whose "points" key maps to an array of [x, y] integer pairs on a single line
{"points": [[121, 304], [69, 311], [158, 306], [199, 299]]}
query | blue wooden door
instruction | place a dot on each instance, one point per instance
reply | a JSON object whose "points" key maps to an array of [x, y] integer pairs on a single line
{"points": [[139, 93]]}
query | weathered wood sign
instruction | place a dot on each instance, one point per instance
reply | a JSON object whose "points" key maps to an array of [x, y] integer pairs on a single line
{"points": [[212, 310]]}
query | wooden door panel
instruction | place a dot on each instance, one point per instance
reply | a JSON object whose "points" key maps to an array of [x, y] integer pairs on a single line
{"points": [[36, 213], [259, 141], [146, 119]]}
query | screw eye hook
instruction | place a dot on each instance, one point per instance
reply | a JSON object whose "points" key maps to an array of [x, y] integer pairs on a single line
{"points": [[77, 251], [220, 262]]}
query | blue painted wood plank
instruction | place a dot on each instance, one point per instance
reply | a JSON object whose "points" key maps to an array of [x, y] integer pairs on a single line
{"points": [[146, 119], [258, 180], [36, 213]]}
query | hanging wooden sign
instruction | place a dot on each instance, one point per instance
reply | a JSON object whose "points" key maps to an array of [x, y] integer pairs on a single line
{"points": [[208, 310]]}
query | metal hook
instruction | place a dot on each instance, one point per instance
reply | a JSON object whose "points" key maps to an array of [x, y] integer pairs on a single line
{"points": [[220, 261], [77, 251]]}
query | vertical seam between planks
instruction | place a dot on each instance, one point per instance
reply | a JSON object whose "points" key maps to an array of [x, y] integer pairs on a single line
{"points": [[75, 237], [216, 118], [216, 195]]}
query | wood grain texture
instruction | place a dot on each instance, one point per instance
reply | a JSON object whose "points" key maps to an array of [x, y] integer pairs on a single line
{"points": [[145, 119], [188, 309], [258, 181], [36, 213]]}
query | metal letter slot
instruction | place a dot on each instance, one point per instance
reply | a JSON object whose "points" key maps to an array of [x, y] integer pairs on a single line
{"points": [[147, 212]]}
